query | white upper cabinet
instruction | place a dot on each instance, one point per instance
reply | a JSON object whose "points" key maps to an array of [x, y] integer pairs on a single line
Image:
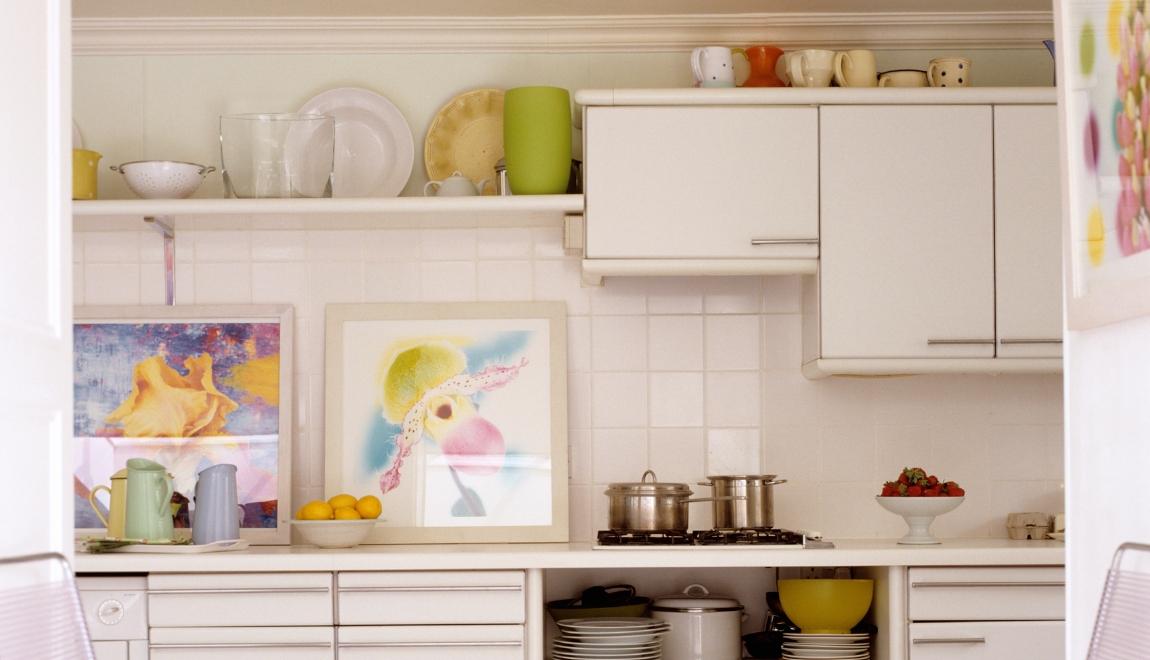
{"points": [[1028, 231], [907, 263], [703, 183]]}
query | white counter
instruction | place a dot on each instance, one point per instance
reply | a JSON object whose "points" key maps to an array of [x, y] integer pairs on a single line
{"points": [[847, 552]]}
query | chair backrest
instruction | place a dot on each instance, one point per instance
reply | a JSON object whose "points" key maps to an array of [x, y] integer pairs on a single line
{"points": [[1122, 629], [40, 612]]}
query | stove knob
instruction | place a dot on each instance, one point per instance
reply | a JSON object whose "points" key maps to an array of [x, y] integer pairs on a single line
{"points": [[110, 612]]}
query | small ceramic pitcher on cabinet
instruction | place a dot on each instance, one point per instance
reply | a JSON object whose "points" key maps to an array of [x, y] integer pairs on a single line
{"points": [[117, 502], [216, 516], [149, 503]]}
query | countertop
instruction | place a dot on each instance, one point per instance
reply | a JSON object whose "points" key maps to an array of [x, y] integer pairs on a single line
{"points": [[847, 552]]}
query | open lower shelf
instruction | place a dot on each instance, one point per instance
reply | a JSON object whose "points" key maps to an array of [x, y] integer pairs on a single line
{"points": [[348, 213]]}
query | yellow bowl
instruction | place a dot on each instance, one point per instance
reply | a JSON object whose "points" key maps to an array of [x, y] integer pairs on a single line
{"points": [[828, 607]]}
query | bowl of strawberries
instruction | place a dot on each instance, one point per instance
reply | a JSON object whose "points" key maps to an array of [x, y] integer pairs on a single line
{"points": [[919, 497]]}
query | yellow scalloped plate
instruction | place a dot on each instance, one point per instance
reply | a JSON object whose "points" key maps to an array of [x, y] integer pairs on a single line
{"points": [[466, 135]]}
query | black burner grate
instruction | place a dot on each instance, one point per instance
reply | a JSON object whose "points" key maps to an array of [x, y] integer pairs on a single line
{"points": [[754, 536], [625, 537]]}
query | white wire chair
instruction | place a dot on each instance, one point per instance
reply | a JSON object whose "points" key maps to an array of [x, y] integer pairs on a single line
{"points": [[40, 612], [1122, 629]]}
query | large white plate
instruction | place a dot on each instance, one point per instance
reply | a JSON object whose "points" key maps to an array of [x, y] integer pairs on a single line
{"points": [[374, 148]]}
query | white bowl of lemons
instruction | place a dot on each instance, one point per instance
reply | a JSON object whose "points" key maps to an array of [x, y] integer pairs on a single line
{"points": [[343, 521]]}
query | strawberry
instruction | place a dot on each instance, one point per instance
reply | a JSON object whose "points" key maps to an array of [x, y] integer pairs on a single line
{"points": [[889, 491], [914, 491], [903, 479], [955, 491], [932, 481], [932, 492]]}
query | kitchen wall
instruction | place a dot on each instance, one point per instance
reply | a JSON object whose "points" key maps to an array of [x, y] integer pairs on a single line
{"points": [[686, 376]]}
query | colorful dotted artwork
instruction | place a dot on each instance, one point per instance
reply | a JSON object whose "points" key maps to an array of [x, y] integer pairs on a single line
{"points": [[1131, 84]]}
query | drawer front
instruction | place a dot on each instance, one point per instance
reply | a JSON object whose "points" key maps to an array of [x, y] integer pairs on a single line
{"points": [[987, 640], [245, 599], [431, 643], [110, 650], [255, 643], [431, 597], [987, 594]]}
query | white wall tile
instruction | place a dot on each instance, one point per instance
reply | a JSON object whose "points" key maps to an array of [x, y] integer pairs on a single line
{"points": [[393, 244], [215, 246], [579, 400], [505, 243], [782, 341], [151, 247], [111, 247], [782, 294], [504, 280], [391, 281], [734, 398], [619, 343], [223, 282], [185, 284], [279, 246], [334, 282], [678, 455], [579, 511], [675, 295], [733, 451], [111, 284], [788, 398], [619, 400], [676, 399], [675, 343], [733, 342], [447, 281], [732, 295], [619, 454], [620, 295], [280, 282], [579, 452], [793, 452], [153, 287], [78, 284], [848, 453], [912, 445], [561, 280], [578, 343], [448, 244], [336, 245], [548, 242]]}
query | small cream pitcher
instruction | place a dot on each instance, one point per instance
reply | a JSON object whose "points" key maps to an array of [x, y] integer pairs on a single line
{"points": [[117, 502]]}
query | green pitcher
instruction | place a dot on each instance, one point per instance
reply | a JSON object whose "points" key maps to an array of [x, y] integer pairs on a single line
{"points": [[537, 139], [149, 511]]}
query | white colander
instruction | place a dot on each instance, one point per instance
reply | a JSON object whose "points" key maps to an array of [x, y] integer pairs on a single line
{"points": [[162, 179]]}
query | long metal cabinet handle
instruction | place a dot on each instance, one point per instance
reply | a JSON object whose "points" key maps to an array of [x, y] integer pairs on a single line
{"points": [[243, 590], [784, 241], [393, 645], [247, 645], [1036, 583], [949, 640], [1006, 342], [957, 342], [418, 589]]}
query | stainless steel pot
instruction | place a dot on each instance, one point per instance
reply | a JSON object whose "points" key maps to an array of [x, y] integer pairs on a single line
{"points": [[649, 506], [743, 500]]}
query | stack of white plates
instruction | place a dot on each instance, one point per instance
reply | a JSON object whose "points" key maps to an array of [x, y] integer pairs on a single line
{"points": [[621, 638], [799, 646]]}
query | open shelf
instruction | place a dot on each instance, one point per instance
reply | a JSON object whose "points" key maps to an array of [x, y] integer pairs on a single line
{"points": [[348, 213]]}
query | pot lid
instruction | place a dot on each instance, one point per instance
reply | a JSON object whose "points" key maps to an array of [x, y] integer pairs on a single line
{"points": [[645, 487], [748, 477], [695, 598]]}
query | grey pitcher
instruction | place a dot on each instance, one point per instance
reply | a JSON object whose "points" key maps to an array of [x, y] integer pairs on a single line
{"points": [[216, 516]]}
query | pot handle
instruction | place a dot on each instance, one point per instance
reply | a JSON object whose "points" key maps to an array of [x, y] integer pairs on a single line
{"points": [[696, 590], [717, 499], [775, 482], [654, 479]]}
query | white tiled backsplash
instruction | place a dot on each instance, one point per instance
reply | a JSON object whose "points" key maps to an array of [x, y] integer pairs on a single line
{"points": [[686, 376]]}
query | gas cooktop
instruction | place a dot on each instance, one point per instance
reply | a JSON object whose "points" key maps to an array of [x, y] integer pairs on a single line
{"points": [[753, 538]]}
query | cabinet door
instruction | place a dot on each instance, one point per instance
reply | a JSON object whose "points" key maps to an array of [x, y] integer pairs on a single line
{"points": [[431, 597], [257, 643], [907, 262], [240, 599], [987, 593], [110, 650], [1028, 231], [458, 642], [983, 640], [701, 182]]}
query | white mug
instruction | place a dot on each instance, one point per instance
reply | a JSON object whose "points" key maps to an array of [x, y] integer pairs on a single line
{"points": [[712, 67], [949, 72], [855, 68], [811, 67], [903, 78], [455, 185]]}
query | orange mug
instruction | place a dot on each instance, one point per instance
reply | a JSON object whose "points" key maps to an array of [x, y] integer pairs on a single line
{"points": [[763, 61]]}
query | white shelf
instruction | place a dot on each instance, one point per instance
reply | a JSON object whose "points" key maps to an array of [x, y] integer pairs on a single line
{"points": [[353, 213], [818, 96]]}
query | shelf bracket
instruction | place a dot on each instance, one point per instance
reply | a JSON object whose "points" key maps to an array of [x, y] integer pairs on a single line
{"points": [[163, 224]]}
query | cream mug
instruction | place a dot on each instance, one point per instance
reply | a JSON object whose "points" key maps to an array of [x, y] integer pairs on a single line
{"points": [[811, 67], [712, 67], [855, 68], [903, 78], [455, 185], [949, 72]]}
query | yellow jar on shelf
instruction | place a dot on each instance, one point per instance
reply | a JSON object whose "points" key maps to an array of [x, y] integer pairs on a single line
{"points": [[84, 164]]}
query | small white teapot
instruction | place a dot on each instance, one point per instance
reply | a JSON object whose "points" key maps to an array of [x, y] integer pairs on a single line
{"points": [[455, 185]]}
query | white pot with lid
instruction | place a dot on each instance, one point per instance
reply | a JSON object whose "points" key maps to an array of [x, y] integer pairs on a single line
{"points": [[703, 626]]}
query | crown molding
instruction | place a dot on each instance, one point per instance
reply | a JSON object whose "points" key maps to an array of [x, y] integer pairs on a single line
{"points": [[570, 34]]}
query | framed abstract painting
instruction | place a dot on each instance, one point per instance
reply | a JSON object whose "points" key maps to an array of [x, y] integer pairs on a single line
{"points": [[1104, 75], [186, 387], [454, 415]]}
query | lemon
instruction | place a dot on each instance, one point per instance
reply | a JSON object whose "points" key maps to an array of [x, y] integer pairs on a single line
{"points": [[347, 513], [342, 500], [368, 506], [316, 510]]}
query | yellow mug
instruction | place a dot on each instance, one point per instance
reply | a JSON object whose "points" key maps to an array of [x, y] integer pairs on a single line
{"points": [[84, 162], [117, 504]]}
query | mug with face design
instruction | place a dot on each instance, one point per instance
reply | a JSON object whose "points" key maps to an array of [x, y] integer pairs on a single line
{"points": [[949, 72], [855, 68], [712, 67], [903, 78], [810, 67]]}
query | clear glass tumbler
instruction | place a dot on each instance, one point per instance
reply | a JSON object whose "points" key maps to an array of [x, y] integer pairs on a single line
{"points": [[277, 155]]}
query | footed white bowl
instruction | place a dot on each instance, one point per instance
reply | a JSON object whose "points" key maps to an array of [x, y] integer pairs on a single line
{"points": [[919, 513], [335, 533]]}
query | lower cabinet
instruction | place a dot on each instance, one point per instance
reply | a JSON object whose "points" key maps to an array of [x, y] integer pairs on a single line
{"points": [[985, 613], [468, 642], [243, 643]]}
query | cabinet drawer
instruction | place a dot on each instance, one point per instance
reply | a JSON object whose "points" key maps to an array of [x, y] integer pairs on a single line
{"points": [[431, 643], [111, 650], [987, 594], [431, 597], [987, 640], [245, 599], [256, 643]]}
